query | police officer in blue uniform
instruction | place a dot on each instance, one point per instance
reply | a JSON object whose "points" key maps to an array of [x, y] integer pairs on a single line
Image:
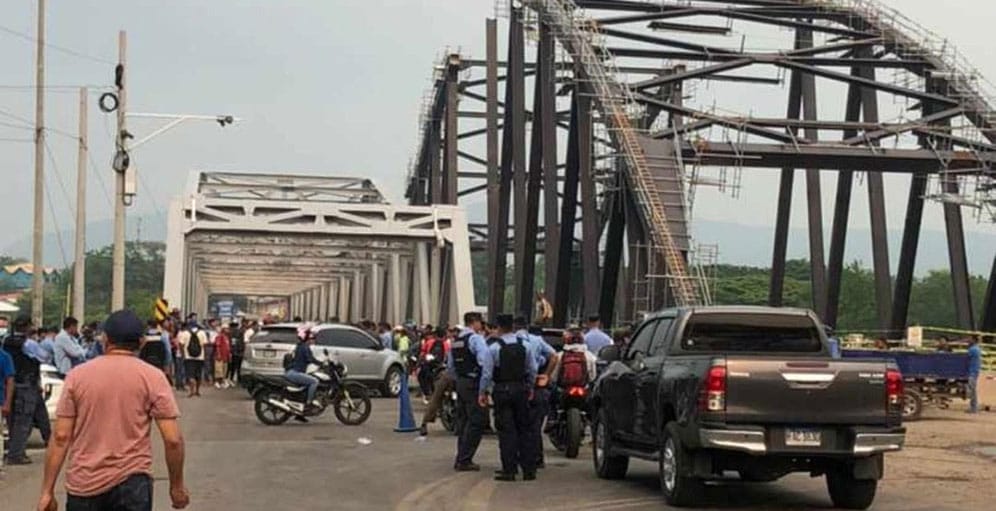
{"points": [[546, 363], [29, 405], [465, 362], [513, 370]]}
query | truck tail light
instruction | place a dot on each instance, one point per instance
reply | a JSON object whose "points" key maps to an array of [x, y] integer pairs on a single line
{"points": [[893, 387], [713, 395]]}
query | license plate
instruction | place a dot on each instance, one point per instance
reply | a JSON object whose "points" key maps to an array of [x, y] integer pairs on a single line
{"points": [[803, 438], [268, 353]]}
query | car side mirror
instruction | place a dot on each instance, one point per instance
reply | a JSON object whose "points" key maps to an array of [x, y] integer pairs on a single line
{"points": [[609, 353], [325, 351]]}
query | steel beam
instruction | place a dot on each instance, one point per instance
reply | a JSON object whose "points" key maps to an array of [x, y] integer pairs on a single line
{"points": [[590, 228], [841, 212], [613, 255], [785, 186], [568, 215], [546, 77], [907, 254], [988, 321], [517, 120], [451, 130], [525, 270]]}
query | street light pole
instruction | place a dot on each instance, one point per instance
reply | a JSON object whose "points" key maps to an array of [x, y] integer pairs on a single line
{"points": [[118, 257], [79, 264], [38, 235]]}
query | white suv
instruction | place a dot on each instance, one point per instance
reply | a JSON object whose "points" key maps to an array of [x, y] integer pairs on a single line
{"points": [[368, 362]]}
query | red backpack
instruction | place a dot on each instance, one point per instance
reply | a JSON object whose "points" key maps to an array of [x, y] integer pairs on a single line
{"points": [[573, 369]]}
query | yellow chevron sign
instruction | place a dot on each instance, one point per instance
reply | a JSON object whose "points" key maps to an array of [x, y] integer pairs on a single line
{"points": [[161, 309]]}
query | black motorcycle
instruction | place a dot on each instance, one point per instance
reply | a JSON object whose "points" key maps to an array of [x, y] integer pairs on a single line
{"points": [[567, 430], [277, 399]]}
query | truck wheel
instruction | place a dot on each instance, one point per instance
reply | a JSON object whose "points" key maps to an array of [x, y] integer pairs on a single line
{"points": [[849, 493], [607, 466], [912, 405], [679, 489]]}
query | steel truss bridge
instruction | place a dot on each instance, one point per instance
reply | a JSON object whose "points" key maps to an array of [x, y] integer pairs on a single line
{"points": [[332, 245], [620, 131]]}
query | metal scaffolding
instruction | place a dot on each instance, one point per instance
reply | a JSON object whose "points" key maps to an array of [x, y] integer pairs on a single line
{"points": [[629, 116]]}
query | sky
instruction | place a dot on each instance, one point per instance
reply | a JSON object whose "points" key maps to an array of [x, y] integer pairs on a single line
{"points": [[329, 87]]}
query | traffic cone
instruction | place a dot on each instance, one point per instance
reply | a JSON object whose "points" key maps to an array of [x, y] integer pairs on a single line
{"points": [[406, 420]]}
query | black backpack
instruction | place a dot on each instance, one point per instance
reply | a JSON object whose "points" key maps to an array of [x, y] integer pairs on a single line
{"points": [[153, 351], [512, 362], [194, 347], [438, 349]]}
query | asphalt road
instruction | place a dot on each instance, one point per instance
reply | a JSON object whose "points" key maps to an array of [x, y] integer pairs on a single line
{"points": [[234, 463]]}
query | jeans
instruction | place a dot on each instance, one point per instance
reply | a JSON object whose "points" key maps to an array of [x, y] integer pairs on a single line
{"points": [[472, 420], [443, 384], [1, 442], [539, 408], [179, 372], [235, 368], [973, 393], [134, 494], [28, 410], [208, 369], [300, 378]]}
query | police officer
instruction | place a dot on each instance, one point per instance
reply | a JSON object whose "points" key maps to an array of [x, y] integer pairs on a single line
{"points": [[29, 406], [513, 368], [465, 362], [546, 363]]}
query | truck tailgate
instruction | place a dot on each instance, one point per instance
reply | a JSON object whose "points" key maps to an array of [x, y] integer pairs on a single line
{"points": [[805, 391]]}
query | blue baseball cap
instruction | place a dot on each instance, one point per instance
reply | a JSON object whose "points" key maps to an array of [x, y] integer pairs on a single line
{"points": [[124, 327]]}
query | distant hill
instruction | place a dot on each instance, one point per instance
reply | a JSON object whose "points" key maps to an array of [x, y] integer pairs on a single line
{"points": [[99, 234]]}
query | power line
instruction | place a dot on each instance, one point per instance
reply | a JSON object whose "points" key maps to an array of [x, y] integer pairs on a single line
{"points": [[30, 125], [100, 179], [58, 173], [55, 225], [63, 49]]}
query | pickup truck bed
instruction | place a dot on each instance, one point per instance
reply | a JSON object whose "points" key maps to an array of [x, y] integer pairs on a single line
{"points": [[752, 390]]}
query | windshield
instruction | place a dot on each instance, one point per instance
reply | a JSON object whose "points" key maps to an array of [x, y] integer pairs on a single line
{"points": [[751, 333], [276, 335]]}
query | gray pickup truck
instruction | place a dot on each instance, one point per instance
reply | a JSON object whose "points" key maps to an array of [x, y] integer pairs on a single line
{"points": [[708, 391]]}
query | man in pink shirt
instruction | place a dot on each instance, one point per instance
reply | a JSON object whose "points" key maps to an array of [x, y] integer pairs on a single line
{"points": [[105, 416]]}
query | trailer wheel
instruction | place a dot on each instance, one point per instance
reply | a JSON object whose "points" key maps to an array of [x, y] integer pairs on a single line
{"points": [[912, 405]]}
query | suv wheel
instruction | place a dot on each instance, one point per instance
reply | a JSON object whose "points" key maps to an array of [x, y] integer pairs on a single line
{"points": [[846, 492], [680, 490], [392, 382], [607, 466]]}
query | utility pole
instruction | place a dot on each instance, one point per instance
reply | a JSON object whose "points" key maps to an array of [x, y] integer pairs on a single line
{"points": [[120, 169], [79, 263], [38, 236]]}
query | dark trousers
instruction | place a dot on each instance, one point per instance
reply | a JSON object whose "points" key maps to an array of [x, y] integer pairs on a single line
{"points": [[134, 494], [515, 432], [472, 420], [28, 411], [235, 368], [539, 408]]}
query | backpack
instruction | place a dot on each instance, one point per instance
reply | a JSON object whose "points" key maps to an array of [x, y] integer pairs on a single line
{"points": [[512, 366], [438, 349], [194, 348], [573, 369], [153, 351]]}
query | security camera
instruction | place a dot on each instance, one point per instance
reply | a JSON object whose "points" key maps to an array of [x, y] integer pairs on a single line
{"points": [[225, 120]]}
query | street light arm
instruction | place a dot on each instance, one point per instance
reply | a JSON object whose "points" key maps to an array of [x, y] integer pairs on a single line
{"points": [[176, 120]]}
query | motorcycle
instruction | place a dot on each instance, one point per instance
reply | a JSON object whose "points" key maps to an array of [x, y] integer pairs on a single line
{"points": [[277, 399], [567, 430]]}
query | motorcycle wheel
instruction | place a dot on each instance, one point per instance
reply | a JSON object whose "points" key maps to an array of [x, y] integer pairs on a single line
{"points": [[352, 406], [267, 413], [575, 429], [447, 417]]}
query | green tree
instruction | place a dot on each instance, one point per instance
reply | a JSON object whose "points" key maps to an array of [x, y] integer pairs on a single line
{"points": [[144, 267]]}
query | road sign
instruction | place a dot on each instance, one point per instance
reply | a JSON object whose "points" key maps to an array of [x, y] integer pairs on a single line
{"points": [[161, 309]]}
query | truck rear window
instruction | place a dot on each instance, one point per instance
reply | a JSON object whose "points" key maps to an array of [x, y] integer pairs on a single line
{"points": [[751, 333]]}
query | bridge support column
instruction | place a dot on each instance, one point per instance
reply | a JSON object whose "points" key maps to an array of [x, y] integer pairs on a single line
{"points": [[395, 290]]}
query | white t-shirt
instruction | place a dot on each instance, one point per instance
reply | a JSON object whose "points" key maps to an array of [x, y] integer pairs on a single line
{"points": [[183, 338]]}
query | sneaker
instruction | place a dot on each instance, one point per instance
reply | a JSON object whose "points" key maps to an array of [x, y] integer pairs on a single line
{"points": [[423, 430], [506, 476], [217, 385]]}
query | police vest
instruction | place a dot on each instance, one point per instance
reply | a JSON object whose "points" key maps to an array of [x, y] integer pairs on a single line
{"points": [[153, 351], [27, 371], [464, 361], [511, 362]]}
